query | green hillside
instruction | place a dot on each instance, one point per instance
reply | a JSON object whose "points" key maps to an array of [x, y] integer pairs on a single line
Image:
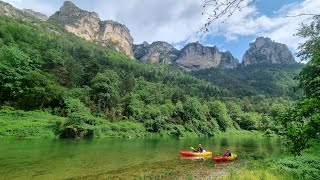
{"points": [[271, 80], [99, 92]]}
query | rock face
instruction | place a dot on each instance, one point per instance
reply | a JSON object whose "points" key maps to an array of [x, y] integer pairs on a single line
{"points": [[88, 26], [195, 56], [264, 50], [157, 52], [24, 15], [37, 15]]}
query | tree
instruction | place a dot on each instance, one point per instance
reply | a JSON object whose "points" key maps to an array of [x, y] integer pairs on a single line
{"points": [[302, 121], [105, 90], [193, 110], [128, 83], [218, 110], [309, 80], [249, 121]]}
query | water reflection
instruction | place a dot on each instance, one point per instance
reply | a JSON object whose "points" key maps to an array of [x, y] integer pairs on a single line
{"points": [[223, 164], [194, 158], [114, 158]]}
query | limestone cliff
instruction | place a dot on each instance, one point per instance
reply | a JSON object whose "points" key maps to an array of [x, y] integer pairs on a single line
{"points": [[264, 50], [195, 56], [157, 52], [88, 26]]}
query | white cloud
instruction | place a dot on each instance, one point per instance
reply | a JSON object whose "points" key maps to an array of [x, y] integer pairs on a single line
{"points": [[250, 22], [165, 20]]}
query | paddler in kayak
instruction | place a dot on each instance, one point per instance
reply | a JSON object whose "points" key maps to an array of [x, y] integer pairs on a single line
{"points": [[199, 149], [227, 154]]}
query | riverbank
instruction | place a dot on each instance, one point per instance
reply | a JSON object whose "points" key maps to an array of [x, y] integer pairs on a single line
{"points": [[282, 167], [42, 124]]}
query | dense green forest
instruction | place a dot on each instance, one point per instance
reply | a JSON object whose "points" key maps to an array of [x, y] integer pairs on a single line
{"points": [[57, 83], [270, 80]]}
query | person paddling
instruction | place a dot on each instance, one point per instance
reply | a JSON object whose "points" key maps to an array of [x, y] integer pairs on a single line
{"points": [[199, 149], [227, 154]]}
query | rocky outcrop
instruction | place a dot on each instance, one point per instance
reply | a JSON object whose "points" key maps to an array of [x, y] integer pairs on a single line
{"points": [[157, 52], [37, 15], [88, 26], [195, 56], [264, 50], [24, 15]]}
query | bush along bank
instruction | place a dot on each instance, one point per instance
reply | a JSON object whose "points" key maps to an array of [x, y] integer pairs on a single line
{"points": [[282, 167]]}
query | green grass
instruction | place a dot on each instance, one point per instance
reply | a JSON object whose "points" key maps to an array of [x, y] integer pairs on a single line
{"points": [[32, 124], [40, 124], [281, 167], [122, 129]]}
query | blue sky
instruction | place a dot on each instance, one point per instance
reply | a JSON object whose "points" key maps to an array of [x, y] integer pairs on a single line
{"points": [[177, 21]]}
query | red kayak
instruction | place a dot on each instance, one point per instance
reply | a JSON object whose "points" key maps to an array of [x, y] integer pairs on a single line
{"points": [[222, 159], [193, 154]]}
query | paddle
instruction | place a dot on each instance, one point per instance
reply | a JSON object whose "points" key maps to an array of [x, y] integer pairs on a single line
{"points": [[192, 148]]}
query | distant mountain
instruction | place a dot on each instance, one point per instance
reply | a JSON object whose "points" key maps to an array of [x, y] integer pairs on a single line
{"points": [[264, 50], [157, 52], [88, 26], [24, 15], [195, 56]]}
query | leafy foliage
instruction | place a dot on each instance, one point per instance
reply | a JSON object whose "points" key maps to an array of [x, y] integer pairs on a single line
{"points": [[272, 80], [302, 120]]}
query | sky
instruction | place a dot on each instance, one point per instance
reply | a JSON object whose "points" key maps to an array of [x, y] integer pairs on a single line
{"points": [[178, 21]]}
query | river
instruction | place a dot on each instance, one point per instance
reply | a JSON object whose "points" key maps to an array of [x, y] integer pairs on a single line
{"points": [[122, 158]]}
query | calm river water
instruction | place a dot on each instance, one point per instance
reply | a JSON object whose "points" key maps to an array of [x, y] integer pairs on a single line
{"points": [[121, 158]]}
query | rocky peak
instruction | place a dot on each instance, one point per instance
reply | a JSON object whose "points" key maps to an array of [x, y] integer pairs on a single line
{"points": [[264, 50], [157, 52], [195, 56], [24, 15], [145, 43], [69, 14], [68, 6], [88, 26]]}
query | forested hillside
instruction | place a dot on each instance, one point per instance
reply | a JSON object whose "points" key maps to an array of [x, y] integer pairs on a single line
{"points": [[92, 91], [270, 80]]}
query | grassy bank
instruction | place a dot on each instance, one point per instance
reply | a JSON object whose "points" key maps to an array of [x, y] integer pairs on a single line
{"points": [[33, 124], [281, 167], [79, 123], [40, 124]]}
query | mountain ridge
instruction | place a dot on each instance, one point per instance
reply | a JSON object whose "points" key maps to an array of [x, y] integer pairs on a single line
{"points": [[88, 25], [24, 15], [192, 57], [264, 50]]}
